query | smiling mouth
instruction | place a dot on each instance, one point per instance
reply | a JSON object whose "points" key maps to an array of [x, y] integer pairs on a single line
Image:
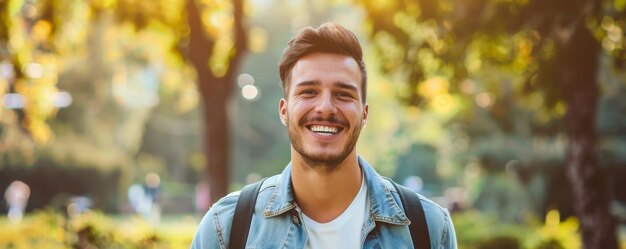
{"points": [[324, 130]]}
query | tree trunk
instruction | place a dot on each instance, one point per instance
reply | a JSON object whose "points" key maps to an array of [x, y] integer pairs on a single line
{"points": [[215, 92], [590, 191], [217, 141]]}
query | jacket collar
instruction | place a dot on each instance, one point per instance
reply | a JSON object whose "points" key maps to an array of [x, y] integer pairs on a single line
{"points": [[383, 206], [282, 199]]}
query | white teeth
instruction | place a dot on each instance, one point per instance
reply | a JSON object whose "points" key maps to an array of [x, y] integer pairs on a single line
{"points": [[324, 129]]}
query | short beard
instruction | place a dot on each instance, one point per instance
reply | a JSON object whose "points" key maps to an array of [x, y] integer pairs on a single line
{"points": [[330, 162]]}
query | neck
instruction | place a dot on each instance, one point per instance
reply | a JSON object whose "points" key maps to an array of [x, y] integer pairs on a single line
{"points": [[324, 193]]}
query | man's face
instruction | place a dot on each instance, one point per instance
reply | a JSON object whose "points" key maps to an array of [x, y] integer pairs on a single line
{"points": [[323, 109]]}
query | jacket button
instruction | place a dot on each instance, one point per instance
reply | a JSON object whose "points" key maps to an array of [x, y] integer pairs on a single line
{"points": [[295, 219]]}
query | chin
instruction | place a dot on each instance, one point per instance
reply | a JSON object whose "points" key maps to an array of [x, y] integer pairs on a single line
{"points": [[323, 154], [323, 157], [326, 159]]}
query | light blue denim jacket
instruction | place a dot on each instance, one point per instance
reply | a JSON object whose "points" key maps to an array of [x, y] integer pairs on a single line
{"points": [[277, 221]]}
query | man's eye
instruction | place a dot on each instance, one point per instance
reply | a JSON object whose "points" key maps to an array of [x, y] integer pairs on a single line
{"points": [[343, 94], [308, 92]]}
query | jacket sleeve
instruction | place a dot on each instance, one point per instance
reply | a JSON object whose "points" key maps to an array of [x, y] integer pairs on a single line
{"points": [[214, 229], [449, 237]]}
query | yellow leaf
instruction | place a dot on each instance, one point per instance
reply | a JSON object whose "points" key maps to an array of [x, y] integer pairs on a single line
{"points": [[41, 31], [257, 42], [433, 86]]}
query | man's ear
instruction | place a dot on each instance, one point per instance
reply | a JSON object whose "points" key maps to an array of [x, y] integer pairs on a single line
{"points": [[365, 113], [282, 111]]}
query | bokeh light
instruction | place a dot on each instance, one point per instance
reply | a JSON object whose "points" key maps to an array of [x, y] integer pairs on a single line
{"points": [[250, 92], [245, 79]]}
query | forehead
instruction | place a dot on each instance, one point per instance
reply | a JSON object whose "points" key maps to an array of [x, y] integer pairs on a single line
{"points": [[326, 67]]}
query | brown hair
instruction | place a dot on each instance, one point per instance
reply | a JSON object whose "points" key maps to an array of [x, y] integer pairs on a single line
{"points": [[327, 38]]}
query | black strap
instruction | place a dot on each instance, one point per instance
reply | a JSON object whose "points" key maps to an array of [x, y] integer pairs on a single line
{"points": [[415, 212], [243, 215]]}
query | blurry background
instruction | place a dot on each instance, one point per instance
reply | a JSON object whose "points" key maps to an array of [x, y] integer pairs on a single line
{"points": [[121, 121]]}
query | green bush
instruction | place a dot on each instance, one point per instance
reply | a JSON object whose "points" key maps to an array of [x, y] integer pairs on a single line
{"points": [[483, 231], [501, 242], [48, 229], [550, 244]]}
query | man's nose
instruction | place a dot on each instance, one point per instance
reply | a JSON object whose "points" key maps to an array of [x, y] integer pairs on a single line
{"points": [[325, 104]]}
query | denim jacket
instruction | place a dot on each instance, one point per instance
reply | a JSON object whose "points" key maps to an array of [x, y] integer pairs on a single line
{"points": [[277, 220]]}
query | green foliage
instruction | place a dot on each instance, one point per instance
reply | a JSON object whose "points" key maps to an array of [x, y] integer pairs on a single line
{"points": [[423, 39], [48, 229], [39, 230], [484, 231], [551, 244], [474, 228], [503, 242]]}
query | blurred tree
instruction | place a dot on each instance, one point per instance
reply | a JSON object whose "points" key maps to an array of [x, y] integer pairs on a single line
{"points": [[215, 84], [113, 85], [210, 36], [28, 67], [554, 45]]}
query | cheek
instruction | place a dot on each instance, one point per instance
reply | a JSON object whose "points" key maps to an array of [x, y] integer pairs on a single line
{"points": [[353, 112], [298, 108], [292, 114]]}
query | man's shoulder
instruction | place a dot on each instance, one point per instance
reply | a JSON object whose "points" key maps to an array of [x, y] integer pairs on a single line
{"points": [[440, 227], [229, 202], [435, 214], [215, 226], [431, 207]]}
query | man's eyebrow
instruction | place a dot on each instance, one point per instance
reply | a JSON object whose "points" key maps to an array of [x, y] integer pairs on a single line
{"points": [[346, 86], [308, 83]]}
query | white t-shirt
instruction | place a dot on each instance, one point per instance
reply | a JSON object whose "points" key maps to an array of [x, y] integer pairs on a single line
{"points": [[342, 232]]}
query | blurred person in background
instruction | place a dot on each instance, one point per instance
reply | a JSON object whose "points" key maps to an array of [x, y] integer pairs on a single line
{"points": [[144, 198], [16, 196]]}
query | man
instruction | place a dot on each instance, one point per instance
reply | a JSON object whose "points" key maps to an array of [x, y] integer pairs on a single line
{"points": [[328, 196]]}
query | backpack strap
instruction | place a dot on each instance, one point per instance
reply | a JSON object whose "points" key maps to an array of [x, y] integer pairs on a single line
{"points": [[415, 212], [240, 225]]}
